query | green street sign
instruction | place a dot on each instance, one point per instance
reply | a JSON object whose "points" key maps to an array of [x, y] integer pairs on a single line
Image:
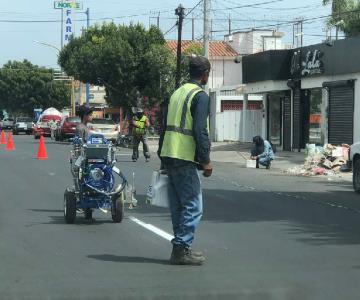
{"points": [[68, 5]]}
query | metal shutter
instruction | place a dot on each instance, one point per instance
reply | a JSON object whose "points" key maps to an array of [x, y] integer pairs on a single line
{"points": [[287, 124], [296, 119], [341, 113]]}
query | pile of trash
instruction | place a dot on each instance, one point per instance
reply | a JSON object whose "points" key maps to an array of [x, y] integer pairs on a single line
{"points": [[329, 160]]}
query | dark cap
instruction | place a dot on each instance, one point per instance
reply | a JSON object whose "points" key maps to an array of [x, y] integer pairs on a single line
{"points": [[83, 110], [198, 65]]}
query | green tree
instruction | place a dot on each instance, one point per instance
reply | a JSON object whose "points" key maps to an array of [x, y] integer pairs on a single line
{"points": [[124, 59], [191, 50], [24, 86], [345, 15]]}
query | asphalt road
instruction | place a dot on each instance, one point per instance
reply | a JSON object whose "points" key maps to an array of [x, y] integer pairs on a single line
{"points": [[265, 235]]}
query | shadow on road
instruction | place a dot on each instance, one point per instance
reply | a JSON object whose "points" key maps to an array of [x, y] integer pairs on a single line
{"points": [[129, 259], [80, 220], [47, 210], [315, 218]]}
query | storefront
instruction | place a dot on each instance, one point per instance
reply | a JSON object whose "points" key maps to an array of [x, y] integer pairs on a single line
{"points": [[321, 101]]}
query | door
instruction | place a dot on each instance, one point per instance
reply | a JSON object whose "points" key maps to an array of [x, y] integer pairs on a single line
{"points": [[341, 112], [274, 128]]}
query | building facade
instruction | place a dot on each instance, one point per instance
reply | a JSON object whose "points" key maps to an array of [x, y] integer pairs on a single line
{"points": [[312, 94]]}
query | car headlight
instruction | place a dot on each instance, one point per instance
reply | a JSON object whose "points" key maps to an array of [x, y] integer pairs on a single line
{"points": [[96, 174]]}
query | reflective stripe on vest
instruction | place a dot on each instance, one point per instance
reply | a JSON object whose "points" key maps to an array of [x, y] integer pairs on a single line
{"points": [[179, 141], [182, 129]]}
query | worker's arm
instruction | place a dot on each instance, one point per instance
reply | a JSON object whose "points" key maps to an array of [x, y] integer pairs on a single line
{"points": [[200, 114]]}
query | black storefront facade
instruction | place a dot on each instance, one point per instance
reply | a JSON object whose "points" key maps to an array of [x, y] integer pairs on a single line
{"points": [[312, 93]]}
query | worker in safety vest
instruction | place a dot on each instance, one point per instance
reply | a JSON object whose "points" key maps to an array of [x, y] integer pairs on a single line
{"points": [[184, 148], [139, 124]]}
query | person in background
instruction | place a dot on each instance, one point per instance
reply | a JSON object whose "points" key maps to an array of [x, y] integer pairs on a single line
{"points": [[82, 130], [140, 123], [262, 152], [184, 148]]}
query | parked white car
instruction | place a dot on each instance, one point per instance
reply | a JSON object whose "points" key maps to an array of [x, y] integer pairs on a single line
{"points": [[355, 159], [106, 127]]}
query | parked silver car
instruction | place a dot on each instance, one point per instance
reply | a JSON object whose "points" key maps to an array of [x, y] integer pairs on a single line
{"points": [[355, 159], [106, 127], [23, 124]]}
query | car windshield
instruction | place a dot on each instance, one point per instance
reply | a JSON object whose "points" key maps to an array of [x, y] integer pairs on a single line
{"points": [[102, 121], [23, 120], [10, 120], [73, 120]]}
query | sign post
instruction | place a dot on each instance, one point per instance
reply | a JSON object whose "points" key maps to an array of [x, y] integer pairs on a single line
{"points": [[68, 9]]}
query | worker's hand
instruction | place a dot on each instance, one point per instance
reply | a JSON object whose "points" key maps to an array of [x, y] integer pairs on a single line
{"points": [[207, 169]]}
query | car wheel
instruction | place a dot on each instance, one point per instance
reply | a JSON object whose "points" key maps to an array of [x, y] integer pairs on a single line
{"points": [[36, 137], [356, 176], [117, 209], [69, 206]]}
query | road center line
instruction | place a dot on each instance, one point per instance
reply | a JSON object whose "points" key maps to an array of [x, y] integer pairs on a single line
{"points": [[152, 228]]}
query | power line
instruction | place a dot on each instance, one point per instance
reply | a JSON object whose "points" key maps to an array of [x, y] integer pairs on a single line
{"points": [[173, 27], [78, 20], [247, 5], [290, 22]]}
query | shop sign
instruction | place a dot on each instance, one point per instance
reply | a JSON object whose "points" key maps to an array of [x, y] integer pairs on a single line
{"points": [[68, 5], [68, 25], [313, 63]]}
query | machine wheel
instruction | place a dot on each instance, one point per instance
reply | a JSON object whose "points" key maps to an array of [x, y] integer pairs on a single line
{"points": [[88, 213], [356, 176], [117, 208], [69, 206]]}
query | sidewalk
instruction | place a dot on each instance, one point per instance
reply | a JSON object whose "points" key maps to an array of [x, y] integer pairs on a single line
{"points": [[237, 153]]}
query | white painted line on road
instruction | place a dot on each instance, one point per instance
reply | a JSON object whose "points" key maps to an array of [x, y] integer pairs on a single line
{"points": [[152, 228]]}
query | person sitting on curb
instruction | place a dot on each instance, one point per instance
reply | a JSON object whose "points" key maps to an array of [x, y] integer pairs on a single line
{"points": [[262, 152]]}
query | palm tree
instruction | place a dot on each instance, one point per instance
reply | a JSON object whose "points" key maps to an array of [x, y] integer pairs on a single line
{"points": [[337, 6], [338, 19]]}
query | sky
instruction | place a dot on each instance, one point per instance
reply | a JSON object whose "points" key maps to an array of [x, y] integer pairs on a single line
{"points": [[22, 22]]}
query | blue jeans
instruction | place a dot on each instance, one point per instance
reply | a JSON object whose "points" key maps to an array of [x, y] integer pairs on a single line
{"points": [[265, 161], [186, 205]]}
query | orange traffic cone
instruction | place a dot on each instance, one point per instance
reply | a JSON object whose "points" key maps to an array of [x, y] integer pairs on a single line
{"points": [[10, 143], [3, 138], [42, 150]]}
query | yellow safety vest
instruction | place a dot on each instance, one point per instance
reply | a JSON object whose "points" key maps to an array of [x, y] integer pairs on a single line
{"points": [[140, 126], [179, 141]]}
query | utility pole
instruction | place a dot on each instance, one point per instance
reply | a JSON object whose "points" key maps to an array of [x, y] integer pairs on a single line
{"points": [[229, 24], [180, 13], [193, 28], [298, 33], [62, 28], [206, 27], [158, 20], [87, 84]]}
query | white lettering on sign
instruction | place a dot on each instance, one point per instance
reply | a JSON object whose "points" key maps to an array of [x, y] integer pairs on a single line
{"points": [[313, 63]]}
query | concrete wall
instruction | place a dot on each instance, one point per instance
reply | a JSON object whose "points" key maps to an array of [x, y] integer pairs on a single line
{"points": [[254, 41], [224, 72]]}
